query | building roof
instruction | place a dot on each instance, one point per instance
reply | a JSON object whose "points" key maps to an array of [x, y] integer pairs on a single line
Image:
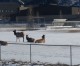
{"points": [[8, 0], [31, 2], [45, 2], [38, 2]]}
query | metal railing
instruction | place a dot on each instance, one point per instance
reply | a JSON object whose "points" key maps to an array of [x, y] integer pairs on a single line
{"points": [[33, 44]]}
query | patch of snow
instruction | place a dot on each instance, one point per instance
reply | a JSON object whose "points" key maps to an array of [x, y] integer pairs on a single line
{"points": [[51, 54]]}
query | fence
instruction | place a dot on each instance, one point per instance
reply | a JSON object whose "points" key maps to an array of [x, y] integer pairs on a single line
{"points": [[32, 47]]}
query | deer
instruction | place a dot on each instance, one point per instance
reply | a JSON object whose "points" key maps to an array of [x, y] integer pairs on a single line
{"points": [[42, 40], [18, 35], [29, 39]]}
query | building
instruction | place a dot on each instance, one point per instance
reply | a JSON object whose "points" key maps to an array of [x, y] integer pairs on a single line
{"points": [[13, 10], [7, 10]]}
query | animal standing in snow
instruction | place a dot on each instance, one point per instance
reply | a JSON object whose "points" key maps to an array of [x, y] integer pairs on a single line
{"points": [[19, 35], [29, 39], [42, 40]]}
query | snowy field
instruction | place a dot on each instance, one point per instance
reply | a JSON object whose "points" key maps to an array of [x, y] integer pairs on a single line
{"points": [[48, 54]]}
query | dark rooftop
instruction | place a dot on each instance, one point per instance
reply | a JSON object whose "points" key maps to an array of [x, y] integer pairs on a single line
{"points": [[43, 2]]}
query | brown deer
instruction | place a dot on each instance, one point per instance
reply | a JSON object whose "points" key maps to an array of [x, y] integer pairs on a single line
{"points": [[42, 40], [19, 35]]}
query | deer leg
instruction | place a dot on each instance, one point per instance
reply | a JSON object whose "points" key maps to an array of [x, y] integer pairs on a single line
{"points": [[23, 38], [19, 39], [16, 39]]}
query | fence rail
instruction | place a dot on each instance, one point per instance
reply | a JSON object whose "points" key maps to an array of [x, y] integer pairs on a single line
{"points": [[33, 44]]}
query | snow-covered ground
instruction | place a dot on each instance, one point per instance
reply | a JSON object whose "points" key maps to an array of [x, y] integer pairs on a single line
{"points": [[51, 54]]}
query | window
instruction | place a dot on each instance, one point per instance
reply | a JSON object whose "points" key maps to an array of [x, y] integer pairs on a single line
{"points": [[2, 10]]}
